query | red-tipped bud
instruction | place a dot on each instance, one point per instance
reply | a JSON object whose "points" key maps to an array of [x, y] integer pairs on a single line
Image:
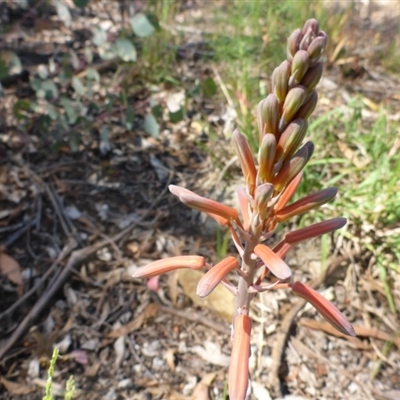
{"points": [[262, 196], [300, 64], [315, 230], [305, 204], [280, 80], [273, 262], [239, 364], [312, 76], [214, 276], [245, 156], [291, 168], [220, 212], [268, 113], [169, 264], [293, 43], [324, 307], [291, 139], [266, 157], [294, 100]]}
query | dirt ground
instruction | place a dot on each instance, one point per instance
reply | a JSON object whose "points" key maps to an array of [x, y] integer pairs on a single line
{"points": [[75, 225]]}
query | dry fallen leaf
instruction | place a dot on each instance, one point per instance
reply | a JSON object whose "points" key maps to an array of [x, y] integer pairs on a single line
{"points": [[12, 270], [170, 358], [201, 391], [220, 300], [132, 326], [16, 388]]}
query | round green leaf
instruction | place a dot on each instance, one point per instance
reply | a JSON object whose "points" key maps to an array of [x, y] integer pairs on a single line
{"points": [[141, 25], [125, 49], [151, 126]]}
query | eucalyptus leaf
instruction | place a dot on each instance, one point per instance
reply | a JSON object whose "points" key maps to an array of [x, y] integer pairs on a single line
{"points": [[74, 59], [92, 75], [104, 140], [99, 36], [141, 26], [125, 49], [42, 71], [63, 12], [151, 126], [48, 90], [69, 110], [78, 86], [52, 112]]}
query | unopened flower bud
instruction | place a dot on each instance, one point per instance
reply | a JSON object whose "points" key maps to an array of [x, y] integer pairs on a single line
{"points": [[262, 197], [312, 76], [317, 47], [169, 264], [309, 106], [324, 307], [266, 157], [313, 25], [291, 168], [273, 262], [246, 161], [300, 64], [280, 79], [291, 139], [294, 100], [315, 230], [213, 277], [293, 43], [268, 115], [305, 204]]}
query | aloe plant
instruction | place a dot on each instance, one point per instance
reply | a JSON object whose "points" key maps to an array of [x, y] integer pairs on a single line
{"points": [[263, 203]]}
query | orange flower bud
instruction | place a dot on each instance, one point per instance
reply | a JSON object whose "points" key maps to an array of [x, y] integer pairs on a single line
{"points": [[268, 112], [273, 262], [239, 364], [291, 139], [214, 276], [289, 191], [291, 168], [315, 230], [211, 207], [266, 156], [306, 203], [169, 264], [262, 196], [246, 161], [324, 307]]}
